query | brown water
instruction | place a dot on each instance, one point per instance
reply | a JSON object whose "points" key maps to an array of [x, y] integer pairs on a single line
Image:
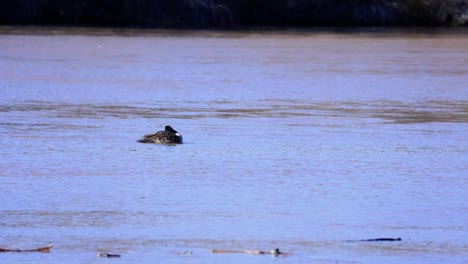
{"points": [[294, 140]]}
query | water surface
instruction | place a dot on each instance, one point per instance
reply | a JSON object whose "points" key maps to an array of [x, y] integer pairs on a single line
{"points": [[298, 140]]}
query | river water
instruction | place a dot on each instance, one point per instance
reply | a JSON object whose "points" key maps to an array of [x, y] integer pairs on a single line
{"points": [[293, 140]]}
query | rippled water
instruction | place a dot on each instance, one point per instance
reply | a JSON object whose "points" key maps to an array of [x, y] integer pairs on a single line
{"points": [[294, 140]]}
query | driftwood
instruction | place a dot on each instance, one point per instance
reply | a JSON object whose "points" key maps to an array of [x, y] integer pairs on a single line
{"points": [[41, 249], [273, 252]]}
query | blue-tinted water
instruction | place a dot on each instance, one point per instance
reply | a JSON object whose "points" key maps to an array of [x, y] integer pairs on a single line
{"points": [[298, 141]]}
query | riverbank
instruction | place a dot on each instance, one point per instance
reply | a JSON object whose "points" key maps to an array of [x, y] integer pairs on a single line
{"points": [[234, 14]]}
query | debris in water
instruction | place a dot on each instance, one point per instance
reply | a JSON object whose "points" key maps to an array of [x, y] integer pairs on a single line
{"points": [[107, 255], [273, 252], [45, 249], [376, 239]]}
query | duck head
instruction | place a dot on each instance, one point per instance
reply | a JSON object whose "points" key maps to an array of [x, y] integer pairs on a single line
{"points": [[178, 137]]}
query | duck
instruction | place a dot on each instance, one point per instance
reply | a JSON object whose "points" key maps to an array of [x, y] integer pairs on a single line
{"points": [[168, 136]]}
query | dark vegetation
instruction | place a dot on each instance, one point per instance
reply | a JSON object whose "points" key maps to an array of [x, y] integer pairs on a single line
{"points": [[234, 13]]}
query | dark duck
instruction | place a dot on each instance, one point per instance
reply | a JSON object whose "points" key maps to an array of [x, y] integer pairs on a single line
{"points": [[168, 136]]}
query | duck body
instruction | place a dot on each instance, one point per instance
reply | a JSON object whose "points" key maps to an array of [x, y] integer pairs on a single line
{"points": [[168, 136]]}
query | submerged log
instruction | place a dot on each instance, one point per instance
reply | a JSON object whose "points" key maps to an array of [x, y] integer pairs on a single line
{"points": [[376, 240], [107, 255]]}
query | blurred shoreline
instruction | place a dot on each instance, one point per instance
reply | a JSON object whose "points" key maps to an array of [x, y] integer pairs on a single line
{"points": [[235, 14], [277, 31]]}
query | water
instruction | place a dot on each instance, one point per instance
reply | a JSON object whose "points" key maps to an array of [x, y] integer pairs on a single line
{"points": [[294, 140]]}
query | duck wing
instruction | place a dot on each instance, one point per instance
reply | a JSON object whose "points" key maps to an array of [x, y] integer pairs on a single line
{"points": [[152, 138]]}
